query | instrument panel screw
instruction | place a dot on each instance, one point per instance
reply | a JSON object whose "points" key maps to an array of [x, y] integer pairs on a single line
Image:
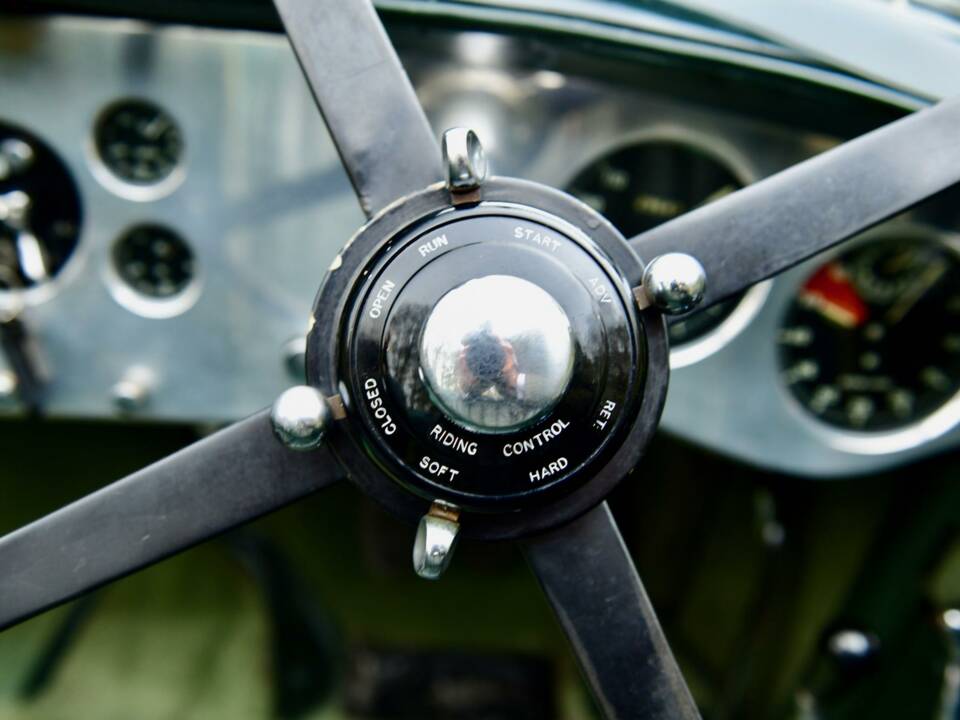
{"points": [[132, 392]]}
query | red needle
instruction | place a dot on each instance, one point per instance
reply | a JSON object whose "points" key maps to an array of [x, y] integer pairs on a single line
{"points": [[830, 292]]}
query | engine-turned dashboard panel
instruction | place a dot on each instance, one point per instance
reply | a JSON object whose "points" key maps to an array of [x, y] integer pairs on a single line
{"points": [[171, 199]]}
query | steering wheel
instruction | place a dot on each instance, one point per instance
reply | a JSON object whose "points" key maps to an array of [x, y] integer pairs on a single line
{"points": [[487, 359]]}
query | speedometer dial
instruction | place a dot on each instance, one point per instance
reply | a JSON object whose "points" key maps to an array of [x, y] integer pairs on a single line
{"points": [[646, 184], [872, 340]]}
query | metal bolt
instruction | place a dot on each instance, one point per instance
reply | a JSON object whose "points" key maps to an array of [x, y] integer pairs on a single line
{"points": [[674, 283], [435, 541], [463, 160], [300, 417], [132, 392]]}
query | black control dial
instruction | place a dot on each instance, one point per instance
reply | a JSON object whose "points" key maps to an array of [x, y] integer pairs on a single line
{"points": [[649, 183], [872, 341], [491, 359]]}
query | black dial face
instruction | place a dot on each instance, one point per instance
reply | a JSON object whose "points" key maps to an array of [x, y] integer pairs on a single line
{"points": [[872, 341], [644, 185], [154, 261], [138, 142], [39, 211], [430, 451]]}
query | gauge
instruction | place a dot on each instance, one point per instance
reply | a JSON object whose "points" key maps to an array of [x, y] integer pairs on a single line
{"points": [[644, 185], [154, 260], [872, 340], [138, 142], [39, 211]]}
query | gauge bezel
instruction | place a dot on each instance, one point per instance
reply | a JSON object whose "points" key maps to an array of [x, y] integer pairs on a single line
{"points": [[880, 442], [332, 306], [147, 306], [121, 187], [14, 301], [738, 164]]}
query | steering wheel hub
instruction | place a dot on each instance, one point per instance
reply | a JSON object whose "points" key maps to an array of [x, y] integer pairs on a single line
{"points": [[490, 356]]}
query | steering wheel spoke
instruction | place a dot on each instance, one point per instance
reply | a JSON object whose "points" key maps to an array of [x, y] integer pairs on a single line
{"points": [[593, 586], [366, 98], [772, 225], [222, 481]]}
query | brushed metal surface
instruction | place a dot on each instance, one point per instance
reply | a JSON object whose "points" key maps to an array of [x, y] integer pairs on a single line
{"points": [[266, 207]]}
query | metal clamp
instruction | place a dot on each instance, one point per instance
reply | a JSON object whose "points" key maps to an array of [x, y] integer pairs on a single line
{"points": [[435, 541], [465, 164]]}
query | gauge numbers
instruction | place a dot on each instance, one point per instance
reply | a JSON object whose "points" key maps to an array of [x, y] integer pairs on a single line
{"points": [[872, 340], [138, 142], [649, 183]]}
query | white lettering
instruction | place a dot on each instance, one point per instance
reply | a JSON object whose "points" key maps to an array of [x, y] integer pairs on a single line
{"points": [[603, 417], [600, 290], [437, 469], [432, 245], [383, 292], [544, 436], [552, 468], [448, 439], [536, 237], [375, 403]]}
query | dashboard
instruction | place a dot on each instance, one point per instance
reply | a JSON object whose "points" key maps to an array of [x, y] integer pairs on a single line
{"points": [[170, 201]]}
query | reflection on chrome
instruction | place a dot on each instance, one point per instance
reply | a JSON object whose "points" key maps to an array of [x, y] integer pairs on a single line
{"points": [[496, 353]]}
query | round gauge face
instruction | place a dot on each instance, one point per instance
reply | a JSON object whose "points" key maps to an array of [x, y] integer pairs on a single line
{"points": [[872, 340], [138, 142], [39, 211], [154, 261], [641, 186]]}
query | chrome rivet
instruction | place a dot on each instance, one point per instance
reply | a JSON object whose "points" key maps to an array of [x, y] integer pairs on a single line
{"points": [[435, 541], [463, 160], [132, 392], [300, 417], [674, 283]]}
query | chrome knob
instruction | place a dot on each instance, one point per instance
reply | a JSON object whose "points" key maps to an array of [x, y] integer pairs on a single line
{"points": [[300, 417], [675, 283], [496, 353]]}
